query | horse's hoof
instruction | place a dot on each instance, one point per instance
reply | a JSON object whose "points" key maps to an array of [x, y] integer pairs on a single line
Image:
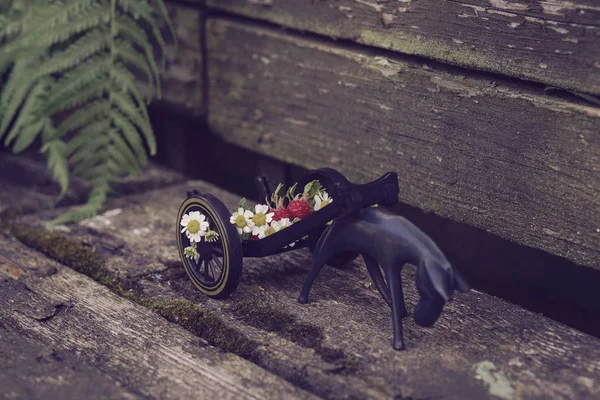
{"points": [[399, 345], [303, 299]]}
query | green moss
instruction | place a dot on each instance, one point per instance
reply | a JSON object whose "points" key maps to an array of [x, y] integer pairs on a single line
{"points": [[200, 322], [266, 316], [208, 325]]}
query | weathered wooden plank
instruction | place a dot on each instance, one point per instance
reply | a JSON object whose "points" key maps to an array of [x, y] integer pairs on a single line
{"points": [[480, 348], [552, 42], [30, 369], [181, 82], [138, 348], [514, 161]]}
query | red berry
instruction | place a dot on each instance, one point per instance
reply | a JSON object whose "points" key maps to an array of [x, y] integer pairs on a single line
{"points": [[280, 212], [298, 208]]}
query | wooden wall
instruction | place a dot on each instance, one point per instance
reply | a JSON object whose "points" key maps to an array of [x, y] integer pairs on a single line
{"points": [[488, 110]]}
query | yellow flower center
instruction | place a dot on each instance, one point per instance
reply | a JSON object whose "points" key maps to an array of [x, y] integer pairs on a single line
{"points": [[270, 231], [259, 219], [193, 226], [240, 221], [324, 203]]}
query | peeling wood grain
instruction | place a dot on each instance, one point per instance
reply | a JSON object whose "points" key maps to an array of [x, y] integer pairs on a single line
{"points": [[30, 369], [505, 37], [536, 356], [136, 347], [513, 161]]}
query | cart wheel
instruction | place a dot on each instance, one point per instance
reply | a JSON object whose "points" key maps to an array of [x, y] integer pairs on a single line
{"points": [[327, 177], [214, 263]]}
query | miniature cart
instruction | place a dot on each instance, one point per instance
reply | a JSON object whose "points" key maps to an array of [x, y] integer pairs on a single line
{"points": [[218, 269]]}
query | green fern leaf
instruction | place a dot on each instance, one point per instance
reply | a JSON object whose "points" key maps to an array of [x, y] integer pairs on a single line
{"points": [[128, 29], [89, 73], [165, 15], [58, 21], [123, 155], [96, 200], [91, 43], [126, 82], [129, 109], [55, 151], [82, 117], [90, 92], [14, 93], [27, 116], [87, 139], [130, 133], [128, 55]]}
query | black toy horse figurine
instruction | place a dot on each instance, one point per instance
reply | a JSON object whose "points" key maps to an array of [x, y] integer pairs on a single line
{"points": [[389, 240]]}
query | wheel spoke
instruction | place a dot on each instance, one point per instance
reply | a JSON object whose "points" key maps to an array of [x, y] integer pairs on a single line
{"points": [[218, 263], [211, 268]]}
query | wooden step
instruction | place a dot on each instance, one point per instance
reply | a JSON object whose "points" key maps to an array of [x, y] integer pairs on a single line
{"points": [[338, 345], [124, 349], [552, 42], [503, 157]]}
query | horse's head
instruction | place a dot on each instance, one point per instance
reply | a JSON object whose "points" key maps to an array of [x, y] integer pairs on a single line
{"points": [[436, 281]]}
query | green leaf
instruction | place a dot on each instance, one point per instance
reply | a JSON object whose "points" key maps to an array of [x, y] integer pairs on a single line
{"points": [[129, 56], [165, 15], [91, 72], [89, 44], [55, 151], [244, 204], [81, 117], [311, 189], [130, 133], [129, 109], [26, 116]]}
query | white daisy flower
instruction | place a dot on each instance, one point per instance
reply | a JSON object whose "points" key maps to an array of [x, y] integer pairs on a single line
{"points": [[321, 200], [271, 229], [259, 230], [282, 223], [242, 220], [262, 216], [194, 225]]}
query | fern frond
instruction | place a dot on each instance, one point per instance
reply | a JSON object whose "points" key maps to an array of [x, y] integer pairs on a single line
{"points": [[122, 153], [55, 151], [82, 117], [126, 82], [14, 92], [128, 29], [57, 22], [96, 200], [61, 55], [89, 44], [89, 73], [130, 133], [128, 108], [165, 15], [128, 55], [83, 96], [27, 116], [87, 138]]}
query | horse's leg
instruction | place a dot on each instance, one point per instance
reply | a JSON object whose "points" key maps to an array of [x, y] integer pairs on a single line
{"points": [[398, 309], [319, 261], [375, 272]]}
